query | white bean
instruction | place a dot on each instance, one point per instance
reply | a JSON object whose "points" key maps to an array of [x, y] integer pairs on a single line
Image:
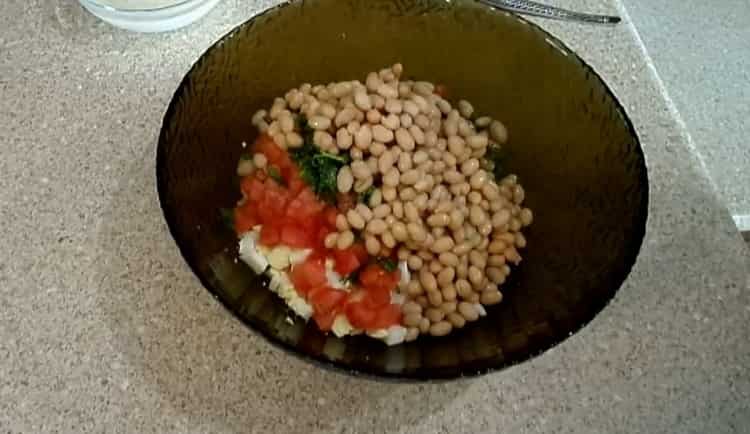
{"points": [[345, 116], [363, 138], [391, 121], [343, 139], [344, 180], [391, 178], [362, 100], [404, 162], [319, 122], [404, 139], [385, 162], [465, 108], [345, 240], [418, 135], [394, 106], [382, 134], [499, 132], [360, 170], [477, 141]]}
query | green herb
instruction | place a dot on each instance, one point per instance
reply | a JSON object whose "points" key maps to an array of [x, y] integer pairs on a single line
{"points": [[318, 169], [246, 156], [306, 131], [496, 155], [388, 264], [365, 196], [227, 217], [275, 175]]}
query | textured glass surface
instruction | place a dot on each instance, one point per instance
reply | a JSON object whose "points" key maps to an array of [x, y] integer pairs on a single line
{"points": [[570, 143]]}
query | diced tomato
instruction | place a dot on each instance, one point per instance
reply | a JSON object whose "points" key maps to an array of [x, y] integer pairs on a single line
{"points": [[330, 215], [244, 219], [285, 165], [325, 320], [294, 236], [271, 211], [294, 181], [325, 299], [270, 235], [346, 262], [376, 298], [265, 145], [360, 316], [309, 274], [322, 234], [253, 188], [386, 316], [360, 251], [370, 276], [394, 278], [305, 208], [375, 277]]}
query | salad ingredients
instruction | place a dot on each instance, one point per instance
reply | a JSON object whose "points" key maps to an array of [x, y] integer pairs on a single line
{"points": [[399, 198]]}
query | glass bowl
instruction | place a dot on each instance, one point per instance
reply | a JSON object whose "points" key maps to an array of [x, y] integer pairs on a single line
{"points": [[149, 15], [571, 144]]}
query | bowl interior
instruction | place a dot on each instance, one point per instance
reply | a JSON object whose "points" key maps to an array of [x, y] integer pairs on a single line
{"points": [[571, 145]]}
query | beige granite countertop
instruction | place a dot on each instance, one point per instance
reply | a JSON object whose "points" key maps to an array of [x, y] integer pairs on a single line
{"points": [[104, 329]]}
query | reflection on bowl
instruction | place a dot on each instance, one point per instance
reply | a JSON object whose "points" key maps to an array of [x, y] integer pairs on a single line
{"points": [[149, 15], [571, 145]]}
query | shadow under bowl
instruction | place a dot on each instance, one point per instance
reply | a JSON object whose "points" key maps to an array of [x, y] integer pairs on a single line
{"points": [[571, 144]]}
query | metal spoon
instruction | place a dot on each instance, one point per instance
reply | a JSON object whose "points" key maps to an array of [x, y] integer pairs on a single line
{"points": [[541, 10]]}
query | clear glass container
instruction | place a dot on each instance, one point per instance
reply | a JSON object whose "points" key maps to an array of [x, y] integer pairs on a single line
{"points": [[149, 15]]}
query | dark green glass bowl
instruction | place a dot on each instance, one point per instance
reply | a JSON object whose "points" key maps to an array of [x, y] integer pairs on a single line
{"points": [[571, 144]]}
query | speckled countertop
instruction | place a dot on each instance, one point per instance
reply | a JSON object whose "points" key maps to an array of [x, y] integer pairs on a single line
{"points": [[104, 329]]}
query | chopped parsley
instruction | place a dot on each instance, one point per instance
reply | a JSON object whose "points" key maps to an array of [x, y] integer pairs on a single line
{"points": [[497, 156], [365, 196], [274, 174], [318, 169], [388, 264]]}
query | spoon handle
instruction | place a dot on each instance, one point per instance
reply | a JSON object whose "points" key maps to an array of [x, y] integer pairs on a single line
{"points": [[529, 7]]}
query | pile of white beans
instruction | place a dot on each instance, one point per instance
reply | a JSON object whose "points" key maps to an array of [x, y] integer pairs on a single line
{"points": [[435, 202]]}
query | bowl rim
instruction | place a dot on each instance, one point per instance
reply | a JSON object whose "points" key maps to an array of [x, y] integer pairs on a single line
{"points": [[135, 10], [365, 371]]}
